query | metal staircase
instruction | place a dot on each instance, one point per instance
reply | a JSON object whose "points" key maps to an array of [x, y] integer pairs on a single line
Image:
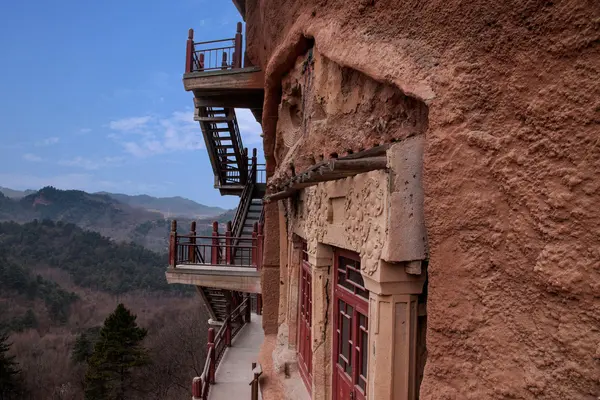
{"points": [[234, 175], [227, 155]]}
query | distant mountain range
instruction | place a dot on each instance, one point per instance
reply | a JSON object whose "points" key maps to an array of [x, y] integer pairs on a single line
{"points": [[139, 219], [170, 207]]}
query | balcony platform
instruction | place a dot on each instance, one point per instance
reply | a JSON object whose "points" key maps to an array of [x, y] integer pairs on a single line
{"points": [[250, 78], [240, 279]]}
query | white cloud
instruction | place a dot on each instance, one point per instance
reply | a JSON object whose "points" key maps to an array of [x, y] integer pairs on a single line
{"points": [[91, 164], [31, 157], [130, 124], [47, 142], [24, 181], [249, 128], [151, 135], [157, 135], [84, 182]]}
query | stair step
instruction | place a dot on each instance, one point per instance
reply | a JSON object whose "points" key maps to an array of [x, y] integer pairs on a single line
{"points": [[214, 119], [225, 146], [212, 130]]}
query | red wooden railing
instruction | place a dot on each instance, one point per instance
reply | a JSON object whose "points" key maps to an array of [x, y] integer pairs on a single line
{"points": [[217, 249], [214, 54], [217, 343]]}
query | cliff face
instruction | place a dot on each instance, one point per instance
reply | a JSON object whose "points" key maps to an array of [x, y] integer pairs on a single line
{"points": [[511, 169]]}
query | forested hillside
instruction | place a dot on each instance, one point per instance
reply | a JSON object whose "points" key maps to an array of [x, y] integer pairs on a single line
{"points": [[58, 283]]}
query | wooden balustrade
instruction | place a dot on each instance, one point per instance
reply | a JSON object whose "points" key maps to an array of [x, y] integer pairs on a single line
{"points": [[221, 248], [213, 55]]}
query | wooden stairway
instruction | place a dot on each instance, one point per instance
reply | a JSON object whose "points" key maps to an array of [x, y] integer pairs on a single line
{"points": [[217, 301], [232, 176], [223, 142]]}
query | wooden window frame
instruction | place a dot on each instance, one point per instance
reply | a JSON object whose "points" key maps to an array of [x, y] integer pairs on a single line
{"points": [[305, 303], [360, 306]]}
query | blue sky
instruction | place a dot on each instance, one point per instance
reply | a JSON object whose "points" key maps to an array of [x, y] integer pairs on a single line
{"points": [[91, 96]]}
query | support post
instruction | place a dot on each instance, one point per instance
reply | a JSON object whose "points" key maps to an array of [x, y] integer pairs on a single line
{"points": [[197, 388], [255, 245], [259, 304], [210, 352], [189, 53], [224, 61], [245, 165], [254, 165], [228, 325], [192, 245], [214, 253], [237, 60], [228, 243], [173, 245], [248, 308], [260, 239], [201, 62]]}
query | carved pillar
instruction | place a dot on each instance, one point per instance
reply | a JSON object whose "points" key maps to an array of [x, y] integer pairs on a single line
{"points": [[295, 258], [321, 260], [269, 273], [393, 329]]}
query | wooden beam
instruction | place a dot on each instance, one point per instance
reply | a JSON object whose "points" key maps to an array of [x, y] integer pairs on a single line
{"points": [[358, 165], [252, 100], [236, 79], [328, 171]]}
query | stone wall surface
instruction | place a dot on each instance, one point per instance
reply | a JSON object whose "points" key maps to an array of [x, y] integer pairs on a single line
{"points": [[511, 167]]}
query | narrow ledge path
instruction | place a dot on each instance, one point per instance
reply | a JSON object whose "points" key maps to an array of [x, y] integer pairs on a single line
{"points": [[234, 372]]}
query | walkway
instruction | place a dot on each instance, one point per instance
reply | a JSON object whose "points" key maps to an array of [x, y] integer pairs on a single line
{"points": [[234, 372]]}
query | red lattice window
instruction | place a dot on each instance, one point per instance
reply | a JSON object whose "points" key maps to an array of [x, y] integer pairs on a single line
{"points": [[351, 334], [305, 320]]}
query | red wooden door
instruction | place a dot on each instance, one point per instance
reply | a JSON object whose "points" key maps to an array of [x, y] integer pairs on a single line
{"points": [[305, 322], [351, 335]]}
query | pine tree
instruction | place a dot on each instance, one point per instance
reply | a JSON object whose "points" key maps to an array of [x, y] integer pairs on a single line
{"points": [[10, 382], [116, 353]]}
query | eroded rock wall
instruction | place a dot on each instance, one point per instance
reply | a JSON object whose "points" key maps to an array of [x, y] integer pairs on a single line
{"points": [[511, 177]]}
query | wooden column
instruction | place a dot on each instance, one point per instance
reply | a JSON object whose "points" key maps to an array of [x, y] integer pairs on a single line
{"points": [[211, 348], [173, 245], [228, 243], [214, 254], [192, 245], [237, 55], [189, 52]]}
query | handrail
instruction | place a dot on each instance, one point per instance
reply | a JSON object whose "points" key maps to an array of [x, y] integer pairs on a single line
{"points": [[217, 343], [208, 59], [245, 199]]}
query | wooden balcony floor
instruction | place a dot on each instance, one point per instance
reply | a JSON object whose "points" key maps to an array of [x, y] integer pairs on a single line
{"points": [[234, 372], [240, 279]]}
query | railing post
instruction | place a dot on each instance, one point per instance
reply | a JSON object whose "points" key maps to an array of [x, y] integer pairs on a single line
{"points": [[259, 304], [255, 245], [192, 244], [212, 359], [197, 388], [237, 59], [260, 238], [228, 243], [201, 62], [248, 308], [224, 61], [173, 245], [189, 53], [214, 253], [228, 325], [244, 168]]}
